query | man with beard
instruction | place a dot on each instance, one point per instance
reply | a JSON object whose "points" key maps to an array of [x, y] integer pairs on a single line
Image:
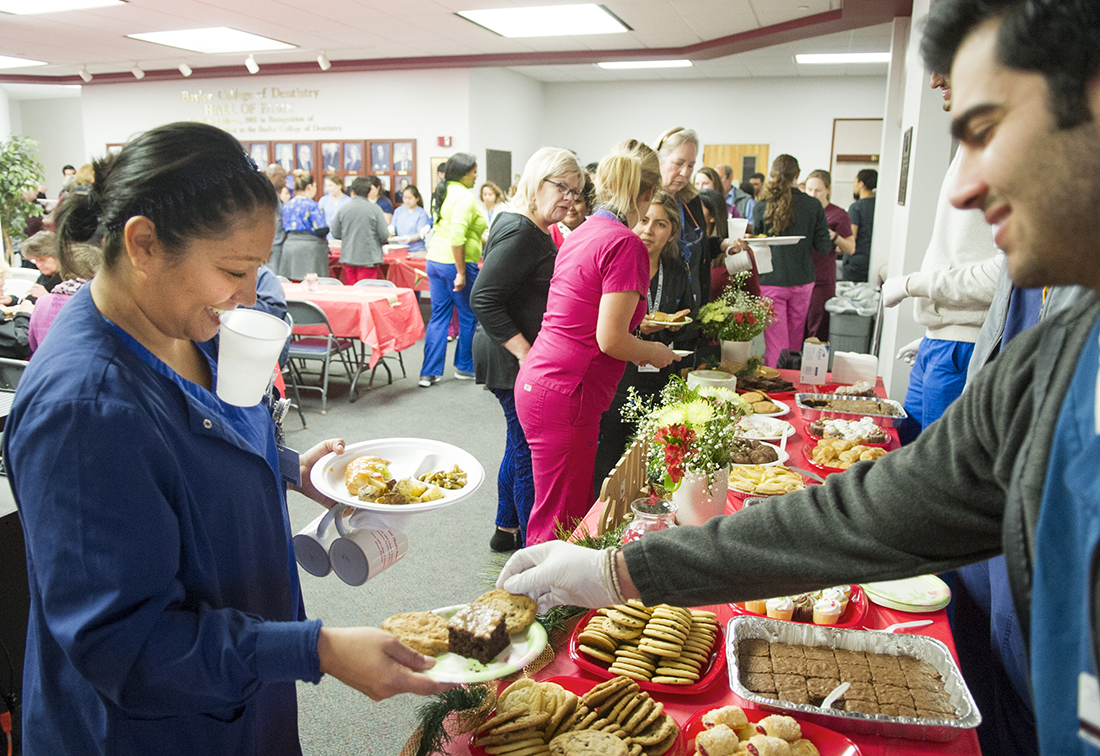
{"points": [[1010, 465]]}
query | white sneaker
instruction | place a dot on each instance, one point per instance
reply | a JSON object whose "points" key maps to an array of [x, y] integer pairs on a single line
{"points": [[465, 375], [428, 380]]}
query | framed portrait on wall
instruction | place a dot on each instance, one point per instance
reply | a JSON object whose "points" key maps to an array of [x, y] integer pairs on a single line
{"points": [[258, 151], [330, 156], [403, 183], [386, 185], [305, 155], [353, 156], [284, 155], [402, 156], [380, 157]]}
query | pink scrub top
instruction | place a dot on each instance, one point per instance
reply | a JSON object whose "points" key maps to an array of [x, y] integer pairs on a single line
{"points": [[602, 256]]}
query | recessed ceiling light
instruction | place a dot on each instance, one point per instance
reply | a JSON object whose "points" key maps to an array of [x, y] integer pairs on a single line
{"points": [[837, 58], [618, 64], [547, 21], [6, 61], [21, 8], [217, 39]]}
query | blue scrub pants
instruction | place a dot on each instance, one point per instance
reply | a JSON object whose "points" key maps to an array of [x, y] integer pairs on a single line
{"points": [[515, 482], [937, 379], [441, 277]]}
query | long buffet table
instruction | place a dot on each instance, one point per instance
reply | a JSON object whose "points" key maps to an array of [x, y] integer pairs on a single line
{"points": [[683, 707]]}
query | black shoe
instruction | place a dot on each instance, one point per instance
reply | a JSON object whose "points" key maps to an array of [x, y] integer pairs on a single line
{"points": [[502, 541]]}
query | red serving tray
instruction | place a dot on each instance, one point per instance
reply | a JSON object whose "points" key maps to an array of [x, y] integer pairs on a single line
{"points": [[827, 742], [853, 616], [580, 686], [711, 673]]}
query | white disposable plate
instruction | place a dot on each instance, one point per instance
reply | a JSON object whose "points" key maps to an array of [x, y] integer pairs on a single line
{"points": [[776, 241], [452, 668], [409, 458], [754, 426], [681, 352], [783, 409], [685, 321], [924, 593], [783, 457]]}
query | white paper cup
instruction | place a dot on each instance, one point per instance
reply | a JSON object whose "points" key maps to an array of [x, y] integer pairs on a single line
{"points": [[737, 227], [311, 545], [362, 554], [762, 252], [250, 344]]}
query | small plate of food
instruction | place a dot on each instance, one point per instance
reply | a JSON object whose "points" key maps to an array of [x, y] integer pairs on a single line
{"points": [[682, 352], [666, 319], [760, 480], [837, 455], [764, 428], [750, 452], [728, 728], [764, 406], [490, 638], [862, 431], [407, 475]]}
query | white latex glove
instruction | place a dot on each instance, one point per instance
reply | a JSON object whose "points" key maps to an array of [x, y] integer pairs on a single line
{"points": [[894, 290], [556, 572], [909, 352], [736, 262]]}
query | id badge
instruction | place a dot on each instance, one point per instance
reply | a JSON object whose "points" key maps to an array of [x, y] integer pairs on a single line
{"points": [[1088, 709], [289, 465]]}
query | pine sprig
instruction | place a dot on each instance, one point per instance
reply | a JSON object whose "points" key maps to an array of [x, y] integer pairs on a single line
{"points": [[433, 714]]}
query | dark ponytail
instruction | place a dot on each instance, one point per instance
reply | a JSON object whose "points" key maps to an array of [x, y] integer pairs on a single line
{"points": [[190, 179], [458, 165]]}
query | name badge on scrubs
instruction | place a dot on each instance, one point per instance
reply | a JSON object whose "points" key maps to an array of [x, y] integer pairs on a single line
{"points": [[1088, 709], [648, 369], [289, 464]]}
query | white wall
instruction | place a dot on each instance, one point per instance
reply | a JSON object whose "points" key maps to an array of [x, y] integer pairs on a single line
{"points": [[792, 115], [57, 126], [506, 113], [422, 105]]}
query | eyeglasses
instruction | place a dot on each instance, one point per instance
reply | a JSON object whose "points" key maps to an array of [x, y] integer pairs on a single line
{"points": [[565, 190]]}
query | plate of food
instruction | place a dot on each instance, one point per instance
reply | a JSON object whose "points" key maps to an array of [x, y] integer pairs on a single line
{"points": [[565, 711], [753, 453], [863, 430], [726, 729], [625, 640], [763, 428], [682, 352], [758, 480], [764, 405], [666, 319], [492, 637], [774, 241], [406, 475], [837, 455], [840, 606]]}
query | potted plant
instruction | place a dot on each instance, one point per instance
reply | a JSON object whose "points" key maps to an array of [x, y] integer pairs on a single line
{"points": [[690, 431], [20, 171], [735, 318]]}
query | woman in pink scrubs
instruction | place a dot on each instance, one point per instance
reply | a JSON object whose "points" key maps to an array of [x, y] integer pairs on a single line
{"points": [[596, 300]]}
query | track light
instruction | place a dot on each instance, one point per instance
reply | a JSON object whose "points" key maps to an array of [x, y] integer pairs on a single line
{"points": [[323, 61], [185, 69], [85, 74], [137, 72], [251, 64]]}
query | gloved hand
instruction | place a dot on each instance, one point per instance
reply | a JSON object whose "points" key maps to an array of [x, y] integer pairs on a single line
{"points": [[909, 352], [738, 261], [894, 290], [556, 572]]}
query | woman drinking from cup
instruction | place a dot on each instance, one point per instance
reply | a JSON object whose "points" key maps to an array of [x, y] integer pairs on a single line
{"points": [[596, 300], [166, 613], [669, 291], [509, 299]]}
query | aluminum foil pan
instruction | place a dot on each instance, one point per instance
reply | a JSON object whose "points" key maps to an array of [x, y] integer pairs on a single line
{"points": [[809, 414], [896, 644]]}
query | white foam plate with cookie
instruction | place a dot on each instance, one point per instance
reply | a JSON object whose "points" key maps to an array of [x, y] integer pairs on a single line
{"points": [[783, 409], [521, 651], [408, 457]]}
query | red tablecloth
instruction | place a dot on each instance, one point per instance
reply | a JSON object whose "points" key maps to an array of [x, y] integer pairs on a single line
{"points": [[683, 707], [406, 272], [386, 320]]}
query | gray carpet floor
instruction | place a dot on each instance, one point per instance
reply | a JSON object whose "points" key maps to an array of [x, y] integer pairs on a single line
{"points": [[449, 560]]}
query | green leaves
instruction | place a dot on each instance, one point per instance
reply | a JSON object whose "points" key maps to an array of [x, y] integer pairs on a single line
{"points": [[20, 172]]}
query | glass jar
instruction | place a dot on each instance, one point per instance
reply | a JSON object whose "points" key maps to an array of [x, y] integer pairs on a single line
{"points": [[311, 282], [650, 514]]}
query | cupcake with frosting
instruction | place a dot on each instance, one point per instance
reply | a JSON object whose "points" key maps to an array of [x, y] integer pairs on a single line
{"points": [[839, 595], [780, 608], [756, 606], [803, 607], [826, 612]]}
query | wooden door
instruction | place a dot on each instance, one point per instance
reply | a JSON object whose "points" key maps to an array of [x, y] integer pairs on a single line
{"points": [[746, 159]]}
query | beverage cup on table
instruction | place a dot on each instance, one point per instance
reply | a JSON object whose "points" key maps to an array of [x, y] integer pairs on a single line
{"points": [[359, 555], [250, 342]]}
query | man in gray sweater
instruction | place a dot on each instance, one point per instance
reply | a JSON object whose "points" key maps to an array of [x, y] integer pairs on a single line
{"points": [[361, 226], [1010, 467]]}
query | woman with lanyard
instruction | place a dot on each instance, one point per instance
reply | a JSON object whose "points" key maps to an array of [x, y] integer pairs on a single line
{"points": [[166, 612], [669, 291], [509, 299], [596, 301]]}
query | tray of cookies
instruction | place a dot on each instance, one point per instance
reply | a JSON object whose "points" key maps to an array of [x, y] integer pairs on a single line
{"points": [[883, 412], [572, 716], [840, 606], [837, 455], [901, 685], [730, 729], [664, 648]]}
